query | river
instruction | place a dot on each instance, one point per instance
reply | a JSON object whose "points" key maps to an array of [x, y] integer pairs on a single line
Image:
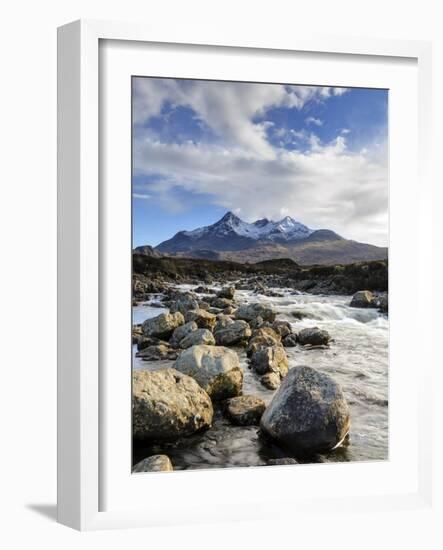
{"points": [[357, 358]]}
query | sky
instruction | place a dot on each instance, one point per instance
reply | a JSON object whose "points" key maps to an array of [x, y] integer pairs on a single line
{"points": [[202, 148]]}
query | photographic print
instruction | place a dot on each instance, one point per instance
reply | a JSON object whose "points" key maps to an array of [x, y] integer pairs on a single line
{"points": [[259, 274]]}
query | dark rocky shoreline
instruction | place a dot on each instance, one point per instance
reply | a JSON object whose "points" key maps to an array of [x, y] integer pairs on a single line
{"points": [[308, 413]]}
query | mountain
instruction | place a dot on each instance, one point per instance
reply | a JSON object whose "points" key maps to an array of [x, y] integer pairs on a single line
{"points": [[147, 250], [232, 239]]}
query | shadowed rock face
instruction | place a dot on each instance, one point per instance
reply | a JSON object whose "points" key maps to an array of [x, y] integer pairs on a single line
{"points": [[167, 404], [308, 414]]}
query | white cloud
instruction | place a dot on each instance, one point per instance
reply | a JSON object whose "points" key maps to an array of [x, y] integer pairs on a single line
{"points": [[327, 186], [313, 120], [142, 196]]}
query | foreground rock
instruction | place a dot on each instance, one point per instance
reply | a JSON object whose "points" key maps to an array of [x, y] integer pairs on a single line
{"points": [[313, 337], [245, 410], [250, 312], [308, 413], [227, 292], [270, 359], [216, 369], [197, 337], [362, 298], [182, 331], [163, 325], [271, 380], [233, 333], [167, 404], [184, 303], [261, 338], [155, 463], [202, 318]]}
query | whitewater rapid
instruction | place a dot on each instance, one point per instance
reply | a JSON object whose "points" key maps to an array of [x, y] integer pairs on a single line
{"points": [[357, 358]]}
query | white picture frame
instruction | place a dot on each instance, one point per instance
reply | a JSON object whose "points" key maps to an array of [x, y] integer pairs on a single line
{"points": [[82, 398]]}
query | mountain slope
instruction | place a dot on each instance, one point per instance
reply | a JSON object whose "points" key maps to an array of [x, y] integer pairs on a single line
{"points": [[232, 239]]}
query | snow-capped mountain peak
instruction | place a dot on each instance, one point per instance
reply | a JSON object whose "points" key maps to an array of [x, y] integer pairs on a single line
{"points": [[230, 224]]}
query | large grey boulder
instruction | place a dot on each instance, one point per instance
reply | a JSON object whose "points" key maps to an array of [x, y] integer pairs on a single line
{"points": [[308, 413], [313, 336], [184, 302], [270, 359], [234, 333], [203, 318], [245, 410], [167, 404], [252, 311], [163, 325], [216, 369], [362, 298], [196, 337], [182, 331], [222, 321], [154, 463]]}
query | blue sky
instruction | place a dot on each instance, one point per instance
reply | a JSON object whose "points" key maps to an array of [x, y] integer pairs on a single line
{"points": [[318, 154]]}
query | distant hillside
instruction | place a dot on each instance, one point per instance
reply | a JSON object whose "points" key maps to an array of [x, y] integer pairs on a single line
{"points": [[234, 240]]}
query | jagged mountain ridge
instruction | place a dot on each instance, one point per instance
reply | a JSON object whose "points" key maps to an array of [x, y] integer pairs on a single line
{"points": [[230, 238]]}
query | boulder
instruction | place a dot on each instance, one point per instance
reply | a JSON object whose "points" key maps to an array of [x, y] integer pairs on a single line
{"points": [[203, 318], [222, 321], [221, 303], [281, 461], [381, 302], [197, 337], [233, 333], [362, 298], [270, 359], [167, 404], [155, 463], [262, 338], [158, 352], [271, 380], [313, 336], [227, 292], [182, 331], [308, 413], [184, 302], [245, 410], [290, 341], [163, 325], [249, 312], [216, 369], [283, 328]]}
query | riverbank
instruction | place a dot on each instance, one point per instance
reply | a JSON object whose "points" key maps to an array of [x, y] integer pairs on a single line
{"points": [[356, 358]]}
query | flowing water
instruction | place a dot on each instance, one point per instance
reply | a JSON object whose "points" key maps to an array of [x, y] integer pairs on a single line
{"points": [[357, 358]]}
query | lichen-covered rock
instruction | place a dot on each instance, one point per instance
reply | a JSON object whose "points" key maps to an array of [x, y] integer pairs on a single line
{"points": [[163, 325], [245, 410], [216, 369], [262, 338], [271, 380], [362, 298], [308, 413], [184, 302], [154, 463], [222, 321], [252, 311], [202, 318], [158, 352], [313, 336], [197, 337], [233, 333], [168, 404], [182, 331], [283, 328], [270, 359], [290, 341]]}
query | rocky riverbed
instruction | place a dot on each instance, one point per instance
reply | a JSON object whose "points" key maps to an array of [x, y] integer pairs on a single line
{"points": [[250, 374]]}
